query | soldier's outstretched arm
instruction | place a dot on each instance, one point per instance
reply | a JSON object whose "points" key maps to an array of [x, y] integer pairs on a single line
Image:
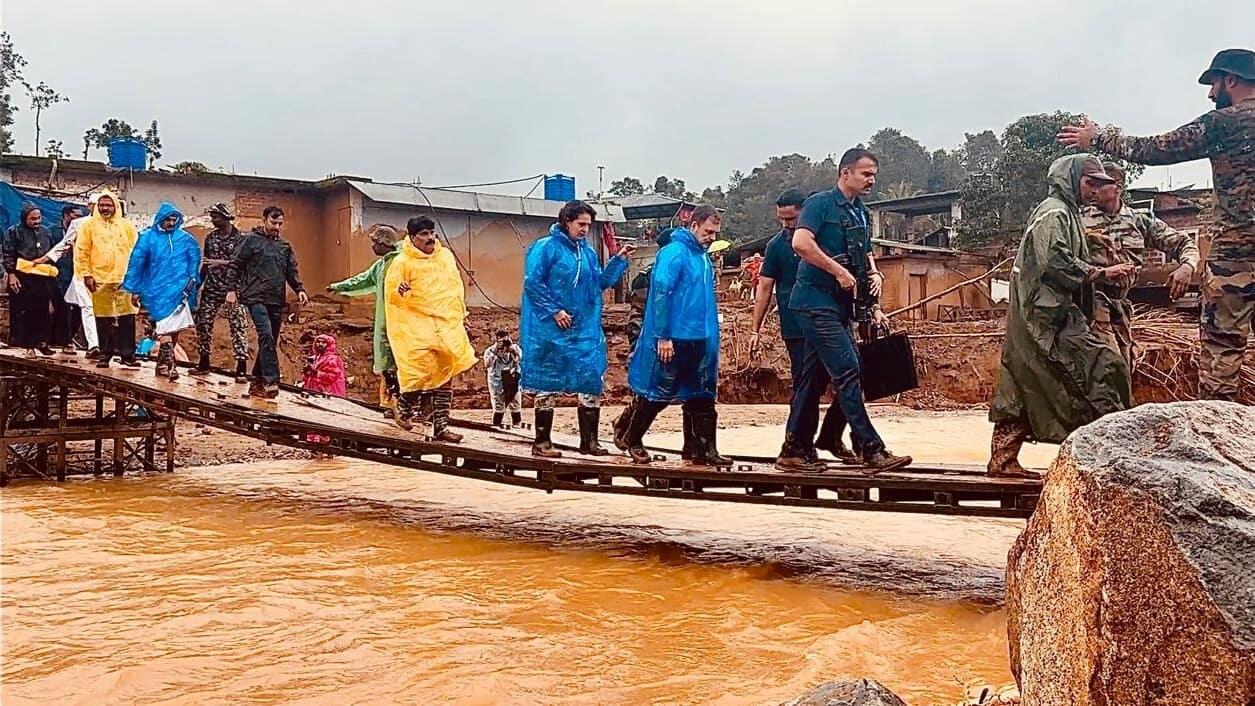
{"points": [[1185, 144]]}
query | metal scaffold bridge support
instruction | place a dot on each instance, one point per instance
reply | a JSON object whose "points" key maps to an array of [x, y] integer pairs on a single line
{"points": [[49, 429]]}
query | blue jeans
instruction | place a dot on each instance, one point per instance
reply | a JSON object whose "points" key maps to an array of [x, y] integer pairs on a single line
{"points": [[267, 320], [829, 357], [834, 419]]}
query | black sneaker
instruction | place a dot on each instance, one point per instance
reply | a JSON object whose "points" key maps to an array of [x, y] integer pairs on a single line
{"points": [[639, 455], [130, 362], [102, 362], [46, 350], [93, 353]]}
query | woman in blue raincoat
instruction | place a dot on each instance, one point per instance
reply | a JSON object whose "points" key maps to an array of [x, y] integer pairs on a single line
{"points": [[164, 272], [677, 356], [564, 349]]}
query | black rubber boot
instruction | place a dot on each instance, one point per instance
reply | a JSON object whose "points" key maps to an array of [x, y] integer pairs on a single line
{"points": [[590, 419], [202, 366], [497, 417], [516, 419], [241, 370], [621, 424], [543, 446], [689, 450], [642, 418], [706, 425]]}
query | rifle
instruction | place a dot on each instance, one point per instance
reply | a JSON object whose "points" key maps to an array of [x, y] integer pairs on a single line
{"points": [[856, 254]]}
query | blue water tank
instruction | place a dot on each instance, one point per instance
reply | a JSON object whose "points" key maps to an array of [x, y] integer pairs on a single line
{"points": [[559, 187], [127, 153]]}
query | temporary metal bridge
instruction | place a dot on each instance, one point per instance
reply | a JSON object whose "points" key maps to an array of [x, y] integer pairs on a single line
{"points": [[49, 403]]}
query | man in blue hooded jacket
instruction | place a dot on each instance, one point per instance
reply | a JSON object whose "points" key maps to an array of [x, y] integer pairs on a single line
{"points": [[564, 349], [677, 356], [163, 271]]}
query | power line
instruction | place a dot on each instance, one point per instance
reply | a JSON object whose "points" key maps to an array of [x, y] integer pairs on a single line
{"points": [[449, 245]]}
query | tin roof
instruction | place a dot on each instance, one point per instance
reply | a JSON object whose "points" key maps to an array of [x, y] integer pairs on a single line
{"points": [[451, 200]]}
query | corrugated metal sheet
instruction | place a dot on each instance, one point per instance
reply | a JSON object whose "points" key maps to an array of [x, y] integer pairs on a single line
{"points": [[471, 201]]}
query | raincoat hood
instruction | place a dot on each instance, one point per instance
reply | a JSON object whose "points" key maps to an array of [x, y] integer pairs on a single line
{"points": [[325, 345], [1064, 178], [327, 373], [117, 205], [27, 207], [164, 266], [165, 211], [687, 237]]}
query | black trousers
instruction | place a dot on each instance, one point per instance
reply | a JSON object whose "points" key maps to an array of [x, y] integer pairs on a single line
{"points": [[117, 336], [30, 317]]}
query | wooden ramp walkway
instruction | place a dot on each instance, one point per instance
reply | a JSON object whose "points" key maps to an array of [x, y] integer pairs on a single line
{"points": [[39, 396]]}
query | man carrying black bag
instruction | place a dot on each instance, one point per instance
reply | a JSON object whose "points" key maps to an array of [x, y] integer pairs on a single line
{"points": [[837, 284]]}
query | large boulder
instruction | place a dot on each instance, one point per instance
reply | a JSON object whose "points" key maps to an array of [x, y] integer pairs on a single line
{"points": [[859, 692], [1134, 581]]}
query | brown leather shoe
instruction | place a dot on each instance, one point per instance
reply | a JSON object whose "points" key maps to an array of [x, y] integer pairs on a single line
{"points": [[797, 464], [882, 461], [545, 450], [448, 437]]}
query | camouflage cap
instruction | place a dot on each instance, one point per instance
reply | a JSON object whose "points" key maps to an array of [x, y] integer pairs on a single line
{"points": [[383, 234], [1239, 62], [1092, 168], [220, 209]]}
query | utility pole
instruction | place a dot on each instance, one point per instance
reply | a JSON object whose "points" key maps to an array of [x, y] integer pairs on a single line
{"points": [[601, 172]]}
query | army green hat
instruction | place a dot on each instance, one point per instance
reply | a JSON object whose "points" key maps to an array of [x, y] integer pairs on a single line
{"points": [[1239, 62]]}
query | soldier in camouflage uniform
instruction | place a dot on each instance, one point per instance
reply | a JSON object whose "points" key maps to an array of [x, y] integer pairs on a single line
{"points": [[220, 245], [1226, 136], [1118, 234]]}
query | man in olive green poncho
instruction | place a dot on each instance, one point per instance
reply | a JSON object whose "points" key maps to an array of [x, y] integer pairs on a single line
{"points": [[384, 243], [1055, 375]]}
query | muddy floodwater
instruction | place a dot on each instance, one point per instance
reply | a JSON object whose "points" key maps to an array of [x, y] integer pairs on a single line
{"points": [[333, 582]]}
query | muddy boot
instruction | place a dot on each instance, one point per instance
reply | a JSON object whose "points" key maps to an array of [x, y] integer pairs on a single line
{"points": [[882, 461], [165, 362], [516, 419], [621, 425], [642, 418], [404, 411], [795, 459], [705, 429], [1005, 446], [543, 446], [497, 418], [590, 419], [202, 367]]}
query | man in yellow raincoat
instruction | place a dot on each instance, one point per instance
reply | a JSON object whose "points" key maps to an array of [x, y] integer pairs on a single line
{"points": [[425, 310], [101, 252]]}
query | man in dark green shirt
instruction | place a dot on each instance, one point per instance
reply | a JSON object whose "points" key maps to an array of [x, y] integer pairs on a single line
{"points": [[833, 228]]}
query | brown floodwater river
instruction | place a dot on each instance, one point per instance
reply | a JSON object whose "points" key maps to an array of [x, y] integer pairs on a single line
{"points": [[334, 582]]}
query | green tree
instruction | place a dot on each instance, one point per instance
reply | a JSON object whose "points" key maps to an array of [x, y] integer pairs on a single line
{"points": [[675, 188], [980, 152], [190, 168], [946, 171], [152, 143], [902, 159], [627, 186], [749, 202], [899, 190], [996, 204], [11, 65], [56, 150], [42, 97]]}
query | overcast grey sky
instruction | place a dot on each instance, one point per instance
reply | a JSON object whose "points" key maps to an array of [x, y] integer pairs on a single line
{"points": [[462, 91]]}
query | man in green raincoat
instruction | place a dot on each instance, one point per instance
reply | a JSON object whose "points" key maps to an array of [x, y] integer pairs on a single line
{"points": [[1055, 374], [383, 241]]}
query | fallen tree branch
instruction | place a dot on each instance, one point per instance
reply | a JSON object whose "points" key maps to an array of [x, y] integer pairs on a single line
{"points": [[947, 290]]}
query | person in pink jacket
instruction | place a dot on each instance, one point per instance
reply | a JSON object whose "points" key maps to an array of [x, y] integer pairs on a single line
{"points": [[325, 371]]}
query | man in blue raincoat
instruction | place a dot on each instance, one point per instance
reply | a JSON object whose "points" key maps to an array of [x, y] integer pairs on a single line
{"points": [[164, 271], [677, 356], [564, 349]]}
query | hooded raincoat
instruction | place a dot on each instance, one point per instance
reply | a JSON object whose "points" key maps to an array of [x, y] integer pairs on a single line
{"points": [[372, 281], [564, 275], [164, 268], [681, 308], [1054, 372], [326, 373], [30, 325], [101, 251], [425, 325]]}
